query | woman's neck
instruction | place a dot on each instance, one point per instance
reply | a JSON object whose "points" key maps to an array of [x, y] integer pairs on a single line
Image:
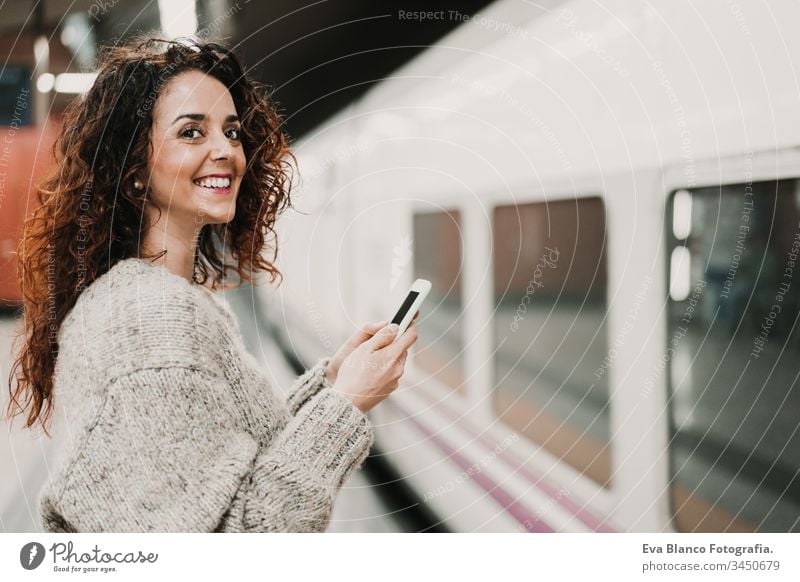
{"points": [[181, 248]]}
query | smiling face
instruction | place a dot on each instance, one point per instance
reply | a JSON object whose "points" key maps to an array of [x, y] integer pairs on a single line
{"points": [[196, 159]]}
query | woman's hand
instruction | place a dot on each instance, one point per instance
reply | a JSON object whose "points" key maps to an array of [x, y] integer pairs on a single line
{"points": [[367, 331], [373, 370]]}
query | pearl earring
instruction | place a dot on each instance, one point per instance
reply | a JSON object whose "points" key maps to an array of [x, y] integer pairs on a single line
{"points": [[138, 185]]}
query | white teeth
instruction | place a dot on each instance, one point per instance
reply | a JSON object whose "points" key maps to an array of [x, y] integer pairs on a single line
{"points": [[213, 182]]}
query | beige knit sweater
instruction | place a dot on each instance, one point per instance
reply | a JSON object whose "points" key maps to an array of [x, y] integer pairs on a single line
{"points": [[169, 425]]}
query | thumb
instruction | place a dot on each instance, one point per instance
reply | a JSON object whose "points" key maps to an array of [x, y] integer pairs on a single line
{"points": [[383, 337]]}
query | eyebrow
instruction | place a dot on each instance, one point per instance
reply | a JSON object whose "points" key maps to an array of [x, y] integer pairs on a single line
{"points": [[202, 117]]}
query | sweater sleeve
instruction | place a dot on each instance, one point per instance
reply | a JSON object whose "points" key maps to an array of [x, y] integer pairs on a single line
{"points": [[164, 454], [308, 385]]}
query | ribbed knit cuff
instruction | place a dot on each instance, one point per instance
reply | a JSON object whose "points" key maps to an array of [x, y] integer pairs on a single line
{"points": [[327, 439], [308, 385]]}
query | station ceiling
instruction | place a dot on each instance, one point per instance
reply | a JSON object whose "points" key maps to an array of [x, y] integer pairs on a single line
{"points": [[316, 55]]}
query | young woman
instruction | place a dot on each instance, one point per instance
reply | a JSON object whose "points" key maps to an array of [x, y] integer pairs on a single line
{"points": [[173, 161]]}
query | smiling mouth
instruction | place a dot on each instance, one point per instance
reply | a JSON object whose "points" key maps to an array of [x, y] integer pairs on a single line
{"points": [[215, 184]]}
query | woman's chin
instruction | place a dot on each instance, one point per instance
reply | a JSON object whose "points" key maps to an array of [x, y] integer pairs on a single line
{"points": [[219, 219], [216, 213]]}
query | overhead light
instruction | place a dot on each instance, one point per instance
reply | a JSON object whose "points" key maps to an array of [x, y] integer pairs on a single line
{"points": [[680, 273], [178, 17], [74, 82], [682, 214], [68, 35], [45, 82], [78, 36], [41, 49], [65, 82]]}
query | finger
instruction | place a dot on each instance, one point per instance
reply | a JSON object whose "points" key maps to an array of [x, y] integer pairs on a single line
{"points": [[416, 315], [383, 337], [402, 343], [365, 332]]}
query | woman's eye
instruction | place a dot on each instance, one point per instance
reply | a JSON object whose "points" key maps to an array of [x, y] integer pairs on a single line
{"points": [[188, 130], [189, 133]]}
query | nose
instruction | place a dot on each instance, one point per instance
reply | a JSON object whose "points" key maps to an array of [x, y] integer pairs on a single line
{"points": [[221, 148]]}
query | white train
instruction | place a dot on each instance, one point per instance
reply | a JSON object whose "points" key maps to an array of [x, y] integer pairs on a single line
{"points": [[605, 197]]}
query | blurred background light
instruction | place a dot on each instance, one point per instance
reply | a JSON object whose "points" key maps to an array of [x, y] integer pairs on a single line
{"points": [[45, 82], [178, 17], [74, 82], [682, 214], [680, 273]]}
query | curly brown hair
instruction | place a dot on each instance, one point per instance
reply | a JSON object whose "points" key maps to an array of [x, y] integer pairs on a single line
{"points": [[91, 216]]}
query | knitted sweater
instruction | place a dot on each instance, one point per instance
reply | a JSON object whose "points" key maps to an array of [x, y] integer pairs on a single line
{"points": [[169, 425]]}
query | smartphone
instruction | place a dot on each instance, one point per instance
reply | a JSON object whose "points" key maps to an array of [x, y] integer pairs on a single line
{"points": [[416, 295]]}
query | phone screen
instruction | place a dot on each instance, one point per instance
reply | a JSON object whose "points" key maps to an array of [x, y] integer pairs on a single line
{"points": [[401, 313]]}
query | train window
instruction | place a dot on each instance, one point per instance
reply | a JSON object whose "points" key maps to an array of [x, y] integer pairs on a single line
{"points": [[732, 358], [551, 351], [439, 348]]}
